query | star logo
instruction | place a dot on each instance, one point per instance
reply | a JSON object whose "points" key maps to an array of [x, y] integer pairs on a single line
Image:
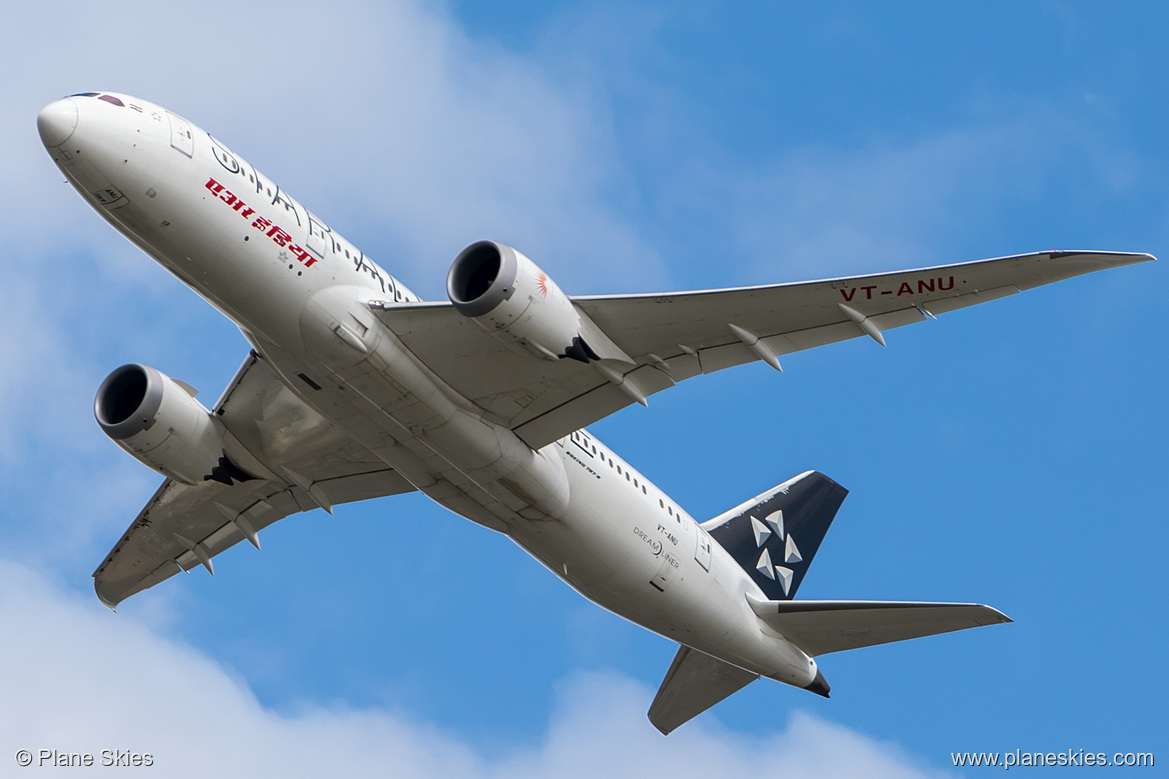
{"points": [[764, 530]]}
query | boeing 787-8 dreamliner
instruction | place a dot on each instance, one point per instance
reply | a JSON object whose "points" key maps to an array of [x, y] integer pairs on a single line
{"points": [[356, 389]]}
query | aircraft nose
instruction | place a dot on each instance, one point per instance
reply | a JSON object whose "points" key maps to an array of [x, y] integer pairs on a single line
{"points": [[57, 121]]}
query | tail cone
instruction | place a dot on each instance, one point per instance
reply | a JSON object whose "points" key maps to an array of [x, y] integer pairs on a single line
{"points": [[819, 685]]}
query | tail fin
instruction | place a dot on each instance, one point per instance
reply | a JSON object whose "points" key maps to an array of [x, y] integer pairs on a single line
{"points": [[774, 536]]}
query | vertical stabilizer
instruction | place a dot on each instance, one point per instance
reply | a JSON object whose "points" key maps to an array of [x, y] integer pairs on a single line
{"points": [[774, 536]]}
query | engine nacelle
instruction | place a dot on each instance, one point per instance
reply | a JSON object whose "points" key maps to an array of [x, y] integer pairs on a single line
{"points": [[510, 297], [157, 420]]}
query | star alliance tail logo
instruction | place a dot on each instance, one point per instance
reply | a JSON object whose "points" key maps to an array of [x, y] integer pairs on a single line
{"points": [[761, 535], [771, 526]]}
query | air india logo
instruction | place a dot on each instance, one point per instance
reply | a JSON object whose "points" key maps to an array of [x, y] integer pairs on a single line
{"points": [[542, 283]]}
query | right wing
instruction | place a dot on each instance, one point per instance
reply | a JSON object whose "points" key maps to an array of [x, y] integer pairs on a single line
{"points": [[821, 627], [184, 526]]}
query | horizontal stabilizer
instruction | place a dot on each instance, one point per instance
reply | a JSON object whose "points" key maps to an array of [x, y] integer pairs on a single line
{"points": [[822, 626], [694, 683]]}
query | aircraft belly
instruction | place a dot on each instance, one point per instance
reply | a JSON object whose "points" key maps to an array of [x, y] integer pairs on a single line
{"points": [[612, 539], [612, 544], [388, 404]]}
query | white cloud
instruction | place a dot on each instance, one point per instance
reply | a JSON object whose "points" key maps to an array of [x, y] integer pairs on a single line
{"points": [[79, 679], [390, 121], [926, 200]]}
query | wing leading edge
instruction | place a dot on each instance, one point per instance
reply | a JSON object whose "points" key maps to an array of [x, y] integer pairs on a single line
{"points": [[675, 336]]}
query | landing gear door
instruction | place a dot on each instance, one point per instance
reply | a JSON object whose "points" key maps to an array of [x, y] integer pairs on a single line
{"points": [[181, 138]]}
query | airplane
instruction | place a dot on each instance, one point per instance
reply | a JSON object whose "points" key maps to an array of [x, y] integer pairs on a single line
{"points": [[354, 388]]}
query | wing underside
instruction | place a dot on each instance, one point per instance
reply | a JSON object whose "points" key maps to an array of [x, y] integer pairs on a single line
{"points": [[184, 526], [673, 337]]}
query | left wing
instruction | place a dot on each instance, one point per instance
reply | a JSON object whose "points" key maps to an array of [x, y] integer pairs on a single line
{"points": [[184, 526], [671, 337]]}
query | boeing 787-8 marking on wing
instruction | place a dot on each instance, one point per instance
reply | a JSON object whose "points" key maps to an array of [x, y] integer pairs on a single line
{"points": [[356, 389]]}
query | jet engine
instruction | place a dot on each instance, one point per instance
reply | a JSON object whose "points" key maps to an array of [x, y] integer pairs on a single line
{"points": [[158, 420], [510, 297]]}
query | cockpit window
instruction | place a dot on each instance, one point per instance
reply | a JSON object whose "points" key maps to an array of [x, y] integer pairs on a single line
{"points": [[112, 99], [85, 94]]}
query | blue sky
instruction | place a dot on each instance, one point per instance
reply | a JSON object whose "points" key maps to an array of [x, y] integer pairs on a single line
{"points": [[1010, 454]]}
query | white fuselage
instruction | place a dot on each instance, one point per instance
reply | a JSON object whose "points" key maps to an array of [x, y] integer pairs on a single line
{"points": [[301, 295]]}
